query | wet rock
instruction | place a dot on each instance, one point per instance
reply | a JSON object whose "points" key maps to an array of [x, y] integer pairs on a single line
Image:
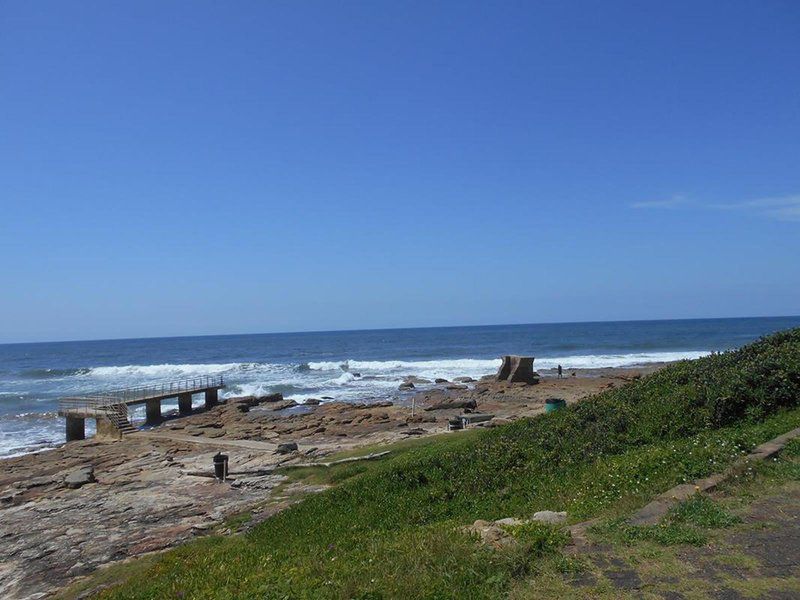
{"points": [[312, 401], [78, 569], [406, 385], [277, 397], [421, 419], [440, 380], [415, 431], [452, 404], [80, 477], [11, 496], [283, 405], [463, 380], [382, 404], [286, 448], [34, 482]]}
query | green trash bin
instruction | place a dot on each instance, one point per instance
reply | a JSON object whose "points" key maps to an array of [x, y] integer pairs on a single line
{"points": [[552, 404]]}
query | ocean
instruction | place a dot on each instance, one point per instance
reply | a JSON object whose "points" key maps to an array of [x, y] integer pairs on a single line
{"points": [[345, 365]]}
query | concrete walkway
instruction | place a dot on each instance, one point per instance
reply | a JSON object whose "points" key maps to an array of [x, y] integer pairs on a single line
{"points": [[759, 557]]}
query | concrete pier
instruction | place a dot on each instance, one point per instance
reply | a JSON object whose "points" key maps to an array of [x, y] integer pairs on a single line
{"points": [[76, 428], [185, 404], [110, 409]]}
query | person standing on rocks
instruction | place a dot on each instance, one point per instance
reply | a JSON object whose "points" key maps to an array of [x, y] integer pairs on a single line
{"points": [[560, 372]]}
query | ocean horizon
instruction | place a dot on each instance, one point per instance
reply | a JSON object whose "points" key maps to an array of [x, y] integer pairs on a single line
{"points": [[350, 366]]}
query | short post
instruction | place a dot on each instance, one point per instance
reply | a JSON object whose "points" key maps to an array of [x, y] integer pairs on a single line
{"points": [[185, 404], [76, 428], [153, 411], [211, 397], [220, 466]]}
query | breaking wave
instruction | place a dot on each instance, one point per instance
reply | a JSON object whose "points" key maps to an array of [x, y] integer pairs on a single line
{"points": [[168, 370], [478, 367], [348, 370], [604, 361], [53, 373], [405, 365]]}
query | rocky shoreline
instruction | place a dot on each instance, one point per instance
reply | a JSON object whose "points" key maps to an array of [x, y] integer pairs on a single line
{"points": [[68, 511]]}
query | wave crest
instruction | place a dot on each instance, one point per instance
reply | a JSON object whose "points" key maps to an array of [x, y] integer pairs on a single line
{"points": [[53, 373]]}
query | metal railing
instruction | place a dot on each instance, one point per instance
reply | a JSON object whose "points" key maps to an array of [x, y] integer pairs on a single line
{"points": [[160, 389]]}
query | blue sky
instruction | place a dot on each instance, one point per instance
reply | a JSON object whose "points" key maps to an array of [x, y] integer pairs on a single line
{"points": [[178, 168]]}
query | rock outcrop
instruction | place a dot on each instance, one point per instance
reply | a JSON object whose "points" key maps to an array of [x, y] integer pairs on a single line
{"points": [[80, 477], [517, 369], [471, 404]]}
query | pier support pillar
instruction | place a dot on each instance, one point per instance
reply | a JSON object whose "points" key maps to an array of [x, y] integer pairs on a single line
{"points": [[153, 412], [212, 397], [76, 428], [185, 404], [106, 429]]}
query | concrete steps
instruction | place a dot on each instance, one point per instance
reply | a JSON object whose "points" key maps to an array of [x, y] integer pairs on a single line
{"points": [[118, 415]]}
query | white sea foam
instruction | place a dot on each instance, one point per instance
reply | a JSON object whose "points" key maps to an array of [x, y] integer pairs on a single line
{"points": [[397, 369], [257, 388], [167, 370], [260, 375], [474, 366], [343, 379], [328, 365], [602, 361]]}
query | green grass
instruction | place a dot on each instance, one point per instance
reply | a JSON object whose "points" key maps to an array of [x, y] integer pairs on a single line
{"points": [[686, 523], [236, 521], [702, 511], [390, 528]]}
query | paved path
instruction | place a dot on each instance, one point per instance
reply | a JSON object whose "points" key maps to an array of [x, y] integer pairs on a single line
{"points": [[758, 558]]}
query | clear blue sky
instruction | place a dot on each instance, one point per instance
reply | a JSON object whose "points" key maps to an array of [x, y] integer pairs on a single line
{"points": [[172, 168]]}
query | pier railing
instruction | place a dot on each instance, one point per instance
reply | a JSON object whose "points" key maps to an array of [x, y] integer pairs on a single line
{"points": [[132, 395]]}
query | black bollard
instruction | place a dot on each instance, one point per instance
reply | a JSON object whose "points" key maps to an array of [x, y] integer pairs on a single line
{"points": [[220, 466]]}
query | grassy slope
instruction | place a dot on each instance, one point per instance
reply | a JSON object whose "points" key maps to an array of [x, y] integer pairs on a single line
{"points": [[389, 530], [725, 529]]}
